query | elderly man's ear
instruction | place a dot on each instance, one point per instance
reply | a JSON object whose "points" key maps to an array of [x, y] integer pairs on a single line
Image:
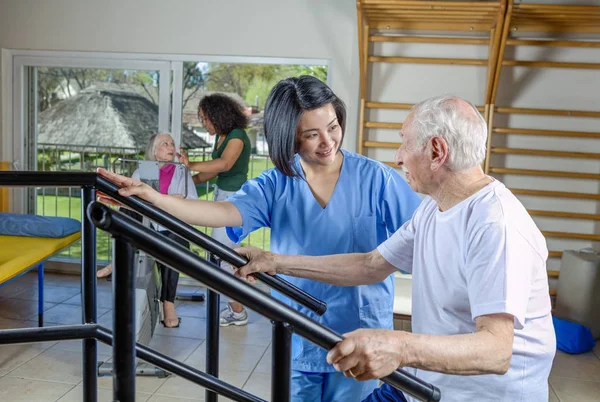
{"points": [[438, 152]]}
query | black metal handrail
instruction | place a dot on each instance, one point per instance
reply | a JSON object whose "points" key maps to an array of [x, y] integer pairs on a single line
{"points": [[284, 318], [176, 256], [187, 232]]}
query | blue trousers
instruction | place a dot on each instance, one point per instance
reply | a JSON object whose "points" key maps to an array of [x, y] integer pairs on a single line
{"points": [[385, 393], [328, 387]]}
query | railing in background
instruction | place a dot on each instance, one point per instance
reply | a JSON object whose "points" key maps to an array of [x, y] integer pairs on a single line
{"points": [[66, 201]]}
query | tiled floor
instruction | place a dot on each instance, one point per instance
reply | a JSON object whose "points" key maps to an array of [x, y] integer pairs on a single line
{"points": [[51, 371]]}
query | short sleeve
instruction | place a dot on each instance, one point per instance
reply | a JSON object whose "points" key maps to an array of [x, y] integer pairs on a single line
{"points": [[237, 134], [254, 202], [498, 271], [398, 249], [398, 201]]}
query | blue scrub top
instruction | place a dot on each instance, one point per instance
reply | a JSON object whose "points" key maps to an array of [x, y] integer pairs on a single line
{"points": [[369, 203]]}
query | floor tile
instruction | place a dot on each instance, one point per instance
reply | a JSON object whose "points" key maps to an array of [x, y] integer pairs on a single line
{"points": [[104, 299], [264, 365], [162, 398], [53, 365], [583, 367], [574, 390], [552, 397], [259, 384], [52, 294], [174, 347], [73, 281], [182, 388], [28, 390], [143, 384], [13, 356], [21, 309], [104, 395], [252, 334], [67, 314], [190, 327], [76, 346], [11, 289], [231, 356]]}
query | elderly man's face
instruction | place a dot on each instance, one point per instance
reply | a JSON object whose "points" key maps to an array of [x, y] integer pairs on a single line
{"points": [[412, 160]]}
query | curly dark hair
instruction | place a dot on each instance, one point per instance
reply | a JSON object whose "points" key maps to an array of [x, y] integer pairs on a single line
{"points": [[224, 112]]}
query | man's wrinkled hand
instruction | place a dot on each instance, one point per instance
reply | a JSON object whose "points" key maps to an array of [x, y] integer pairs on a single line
{"points": [[258, 261], [366, 354]]}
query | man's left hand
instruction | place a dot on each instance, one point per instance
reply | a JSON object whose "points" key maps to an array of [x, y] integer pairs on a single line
{"points": [[366, 354]]}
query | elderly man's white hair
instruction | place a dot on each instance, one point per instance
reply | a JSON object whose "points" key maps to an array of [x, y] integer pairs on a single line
{"points": [[458, 122]]}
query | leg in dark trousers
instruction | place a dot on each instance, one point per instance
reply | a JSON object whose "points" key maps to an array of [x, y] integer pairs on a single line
{"points": [[170, 278]]}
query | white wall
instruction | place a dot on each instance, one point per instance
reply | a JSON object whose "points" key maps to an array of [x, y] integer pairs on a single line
{"points": [[323, 29]]}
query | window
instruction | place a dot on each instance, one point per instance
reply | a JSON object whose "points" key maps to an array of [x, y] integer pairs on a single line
{"points": [[75, 112]]}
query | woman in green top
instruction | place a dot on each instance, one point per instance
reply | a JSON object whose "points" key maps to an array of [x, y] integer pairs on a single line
{"points": [[224, 117]]}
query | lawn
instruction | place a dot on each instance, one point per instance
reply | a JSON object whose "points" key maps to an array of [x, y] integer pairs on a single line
{"points": [[49, 204]]}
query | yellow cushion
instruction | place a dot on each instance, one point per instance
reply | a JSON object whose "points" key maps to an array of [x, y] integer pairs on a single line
{"points": [[19, 253]]}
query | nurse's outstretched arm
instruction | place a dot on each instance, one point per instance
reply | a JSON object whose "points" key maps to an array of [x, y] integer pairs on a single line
{"points": [[193, 212], [340, 269]]}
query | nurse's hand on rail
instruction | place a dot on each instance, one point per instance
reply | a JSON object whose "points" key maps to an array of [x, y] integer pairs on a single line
{"points": [[128, 188], [258, 261], [366, 354]]}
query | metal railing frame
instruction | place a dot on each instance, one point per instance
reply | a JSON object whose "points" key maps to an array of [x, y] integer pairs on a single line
{"points": [[127, 233]]}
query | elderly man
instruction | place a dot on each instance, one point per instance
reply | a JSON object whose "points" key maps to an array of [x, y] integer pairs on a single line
{"points": [[482, 328]]}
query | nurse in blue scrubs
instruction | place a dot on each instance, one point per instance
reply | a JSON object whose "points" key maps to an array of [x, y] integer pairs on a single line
{"points": [[318, 200]]}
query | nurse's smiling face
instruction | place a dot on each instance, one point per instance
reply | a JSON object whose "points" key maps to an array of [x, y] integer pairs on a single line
{"points": [[319, 136]]}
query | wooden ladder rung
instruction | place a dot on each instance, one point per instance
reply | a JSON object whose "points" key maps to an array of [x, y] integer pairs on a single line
{"points": [[569, 235], [544, 152], [548, 133], [557, 194], [562, 214], [380, 144], [545, 173], [378, 124]]}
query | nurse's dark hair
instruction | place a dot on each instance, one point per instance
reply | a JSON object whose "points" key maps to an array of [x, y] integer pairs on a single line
{"points": [[288, 99]]}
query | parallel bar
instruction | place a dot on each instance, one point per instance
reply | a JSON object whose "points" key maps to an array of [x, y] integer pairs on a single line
{"points": [[424, 39], [183, 370], [123, 322], [544, 152], [174, 255], [45, 334], [281, 359], [209, 244], [545, 173], [428, 60], [552, 43], [557, 194], [212, 334], [88, 296], [47, 179]]}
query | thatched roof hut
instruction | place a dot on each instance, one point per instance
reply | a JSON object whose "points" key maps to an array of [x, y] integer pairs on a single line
{"points": [[105, 118]]}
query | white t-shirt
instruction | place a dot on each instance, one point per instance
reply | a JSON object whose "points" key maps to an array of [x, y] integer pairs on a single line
{"points": [[485, 255]]}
